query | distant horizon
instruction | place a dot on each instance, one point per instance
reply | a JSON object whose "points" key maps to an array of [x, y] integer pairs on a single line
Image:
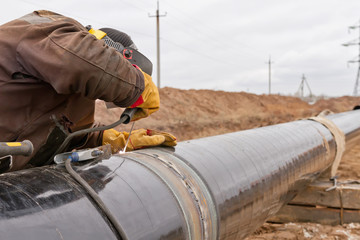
{"points": [[278, 94], [281, 94]]}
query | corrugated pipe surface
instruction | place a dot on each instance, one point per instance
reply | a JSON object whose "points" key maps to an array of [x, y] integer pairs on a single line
{"points": [[221, 187]]}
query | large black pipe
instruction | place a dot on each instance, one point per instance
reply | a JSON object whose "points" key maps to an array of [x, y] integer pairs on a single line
{"points": [[220, 187]]}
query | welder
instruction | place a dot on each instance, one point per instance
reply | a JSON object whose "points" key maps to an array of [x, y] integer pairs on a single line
{"points": [[52, 69]]}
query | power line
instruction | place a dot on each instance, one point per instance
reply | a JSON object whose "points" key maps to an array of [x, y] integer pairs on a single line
{"points": [[139, 33], [199, 29], [201, 54], [146, 3], [193, 51], [210, 40], [135, 6], [90, 19]]}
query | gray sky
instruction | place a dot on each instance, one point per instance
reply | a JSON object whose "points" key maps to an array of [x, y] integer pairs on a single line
{"points": [[225, 44]]}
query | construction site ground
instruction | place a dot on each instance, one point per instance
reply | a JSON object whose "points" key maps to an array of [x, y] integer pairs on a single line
{"points": [[190, 114]]}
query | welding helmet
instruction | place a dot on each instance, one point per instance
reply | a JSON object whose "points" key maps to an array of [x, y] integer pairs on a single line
{"points": [[124, 44]]}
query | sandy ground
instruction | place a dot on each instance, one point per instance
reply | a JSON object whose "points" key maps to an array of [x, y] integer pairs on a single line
{"points": [[302, 231], [190, 114]]}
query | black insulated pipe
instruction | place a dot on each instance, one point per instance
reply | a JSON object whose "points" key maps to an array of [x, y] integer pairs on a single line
{"points": [[221, 187]]}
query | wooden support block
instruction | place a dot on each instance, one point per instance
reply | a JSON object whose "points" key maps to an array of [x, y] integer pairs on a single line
{"points": [[340, 205], [329, 216], [315, 195]]}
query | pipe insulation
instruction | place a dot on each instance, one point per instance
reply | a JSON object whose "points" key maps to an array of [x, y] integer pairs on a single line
{"points": [[220, 187]]}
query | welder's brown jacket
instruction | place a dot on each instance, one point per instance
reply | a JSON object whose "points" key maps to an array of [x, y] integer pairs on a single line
{"points": [[51, 66]]}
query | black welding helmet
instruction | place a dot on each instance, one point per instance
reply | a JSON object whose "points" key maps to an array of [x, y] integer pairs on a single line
{"points": [[124, 44]]}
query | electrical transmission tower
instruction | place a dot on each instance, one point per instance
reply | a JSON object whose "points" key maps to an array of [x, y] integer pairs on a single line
{"points": [[300, 91], [157, 15], [357, 59]]}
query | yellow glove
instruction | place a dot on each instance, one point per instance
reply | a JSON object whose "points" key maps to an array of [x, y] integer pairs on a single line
{"points": [[149, 101], [140, 138]]}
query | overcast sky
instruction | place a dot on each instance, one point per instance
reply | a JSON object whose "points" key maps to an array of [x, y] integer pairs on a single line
{"points": [[225, 44]]}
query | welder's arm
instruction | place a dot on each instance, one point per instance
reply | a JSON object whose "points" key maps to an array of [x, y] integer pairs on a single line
{"points": [[74, 61]]}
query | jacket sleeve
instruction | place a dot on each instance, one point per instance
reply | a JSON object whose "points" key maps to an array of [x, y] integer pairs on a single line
{"points": [[63, 54]]}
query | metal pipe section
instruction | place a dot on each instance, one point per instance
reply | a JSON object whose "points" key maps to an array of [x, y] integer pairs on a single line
{"points": [[221, 187]]}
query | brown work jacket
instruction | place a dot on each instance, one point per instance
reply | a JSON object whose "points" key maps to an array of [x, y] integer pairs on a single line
{"points": [[52, 70]]}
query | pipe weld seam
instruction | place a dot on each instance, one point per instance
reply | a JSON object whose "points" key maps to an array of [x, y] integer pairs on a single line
{"points": [[181, 200], [195, 188]]}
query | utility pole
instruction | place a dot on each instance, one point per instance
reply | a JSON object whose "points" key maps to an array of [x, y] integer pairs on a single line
{"points": [[157, 15], [269, 62], [356, 60]]}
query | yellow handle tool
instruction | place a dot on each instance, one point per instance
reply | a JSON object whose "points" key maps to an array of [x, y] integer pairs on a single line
{"points": [[16, 148]]}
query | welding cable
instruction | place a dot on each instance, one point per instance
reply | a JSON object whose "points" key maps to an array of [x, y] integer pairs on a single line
{"points": [[125, 118], [114, 222]]}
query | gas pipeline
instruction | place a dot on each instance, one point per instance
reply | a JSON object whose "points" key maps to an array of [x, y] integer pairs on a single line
{"points": [[220, 187]]}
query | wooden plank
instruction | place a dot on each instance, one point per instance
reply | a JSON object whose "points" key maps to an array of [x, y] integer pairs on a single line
{"points": [[315, 204], [293, 213], [315, 195]]}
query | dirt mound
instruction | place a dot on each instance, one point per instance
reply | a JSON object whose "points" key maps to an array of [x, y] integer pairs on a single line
{"points": [[192, 114]]}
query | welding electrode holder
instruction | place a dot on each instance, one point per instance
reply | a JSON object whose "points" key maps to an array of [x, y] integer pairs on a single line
{"points": [[125, 118], [128, 113]]}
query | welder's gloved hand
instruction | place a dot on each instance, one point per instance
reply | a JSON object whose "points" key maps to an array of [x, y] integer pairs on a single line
{"points": [[149, 101], [140, 138]]}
